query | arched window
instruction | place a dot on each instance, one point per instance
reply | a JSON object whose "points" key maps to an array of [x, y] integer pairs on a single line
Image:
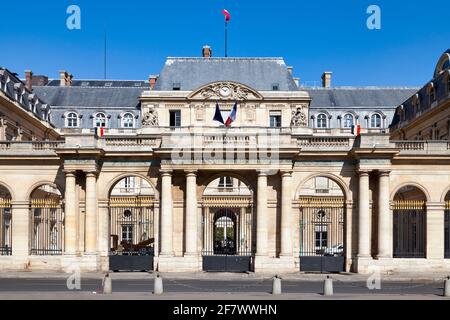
{"points": [[72, 120], [375, 121], [322, 121], [128, 120], [349, 121], [100, 120]]}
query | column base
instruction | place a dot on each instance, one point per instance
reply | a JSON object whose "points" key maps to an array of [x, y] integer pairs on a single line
{"points": [[283, 264], [171, 264], [363, 264]]}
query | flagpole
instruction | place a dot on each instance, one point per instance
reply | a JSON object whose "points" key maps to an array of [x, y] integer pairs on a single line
{"points": [[226, 38]]}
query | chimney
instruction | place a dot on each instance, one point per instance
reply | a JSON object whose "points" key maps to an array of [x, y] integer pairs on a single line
{"points": [[65, 79], [326, 79], [207, 52], [297, 82], [152, 80], [29, 79], [290, 70]]}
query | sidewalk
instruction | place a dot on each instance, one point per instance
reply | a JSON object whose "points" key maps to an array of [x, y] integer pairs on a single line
{"points": [[205, 297], [345, 277]]}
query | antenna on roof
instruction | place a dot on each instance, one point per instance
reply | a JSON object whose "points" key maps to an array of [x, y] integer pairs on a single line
{"points": [[105, 58]]}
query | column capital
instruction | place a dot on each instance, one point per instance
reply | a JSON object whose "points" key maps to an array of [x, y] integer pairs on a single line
{"points": [[286, 173], [384, 173], [69, 173], [262, 173], [91, 173], [166, 173], [191, 173], [363, 173]]}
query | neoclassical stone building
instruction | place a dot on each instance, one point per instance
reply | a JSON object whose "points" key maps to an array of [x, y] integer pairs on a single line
{"points": [[287, 187]]}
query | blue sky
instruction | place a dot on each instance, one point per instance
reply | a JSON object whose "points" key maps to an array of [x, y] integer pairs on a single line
{"points": [[313, 36]]}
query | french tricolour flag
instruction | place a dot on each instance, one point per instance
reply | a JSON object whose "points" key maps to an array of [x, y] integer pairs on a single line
{"points": [[100, 132], [232, 116]]}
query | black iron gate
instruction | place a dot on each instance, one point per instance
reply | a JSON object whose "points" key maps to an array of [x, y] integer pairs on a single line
{"points": [[132, 233], [47, 226], [5, 227], [227, 239], [409, 229], [322, 247], [447, 230]]}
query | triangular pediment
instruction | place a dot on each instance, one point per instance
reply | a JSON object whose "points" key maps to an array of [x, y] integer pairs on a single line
{"points": [[225, 90]]}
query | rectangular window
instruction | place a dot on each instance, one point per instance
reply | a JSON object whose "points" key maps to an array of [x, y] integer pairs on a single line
{"points": [[321, 237], [275, 119], [176, 86], [127, 233], [275, 87], [322, 185], [175, 118], [226, 182]]}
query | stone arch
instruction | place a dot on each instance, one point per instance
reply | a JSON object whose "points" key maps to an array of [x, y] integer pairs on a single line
{"points": [[35, 186], [211, 179], [338, 180], [445, 194], [412, 184], [105, 194], [8, 188]]}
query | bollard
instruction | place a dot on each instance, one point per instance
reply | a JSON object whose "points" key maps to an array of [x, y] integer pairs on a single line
{"points": [[328, 287], [276, 286], [159, 289], [447, 288], [107, 284]]}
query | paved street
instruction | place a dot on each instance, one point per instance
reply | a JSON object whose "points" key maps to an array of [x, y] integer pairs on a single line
{"points": [[49, 286]]}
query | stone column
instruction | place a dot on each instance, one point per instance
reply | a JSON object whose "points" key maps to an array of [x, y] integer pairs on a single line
{"points": [[70, 227], [384, 217], [20, 228], [166, 214], [435, 242], [364, 216], [286, 214], [91, 227], [191, 213], [262, 218], [103, 239]]}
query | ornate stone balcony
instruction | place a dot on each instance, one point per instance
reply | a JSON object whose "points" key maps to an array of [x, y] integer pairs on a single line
{"points": [[30, 148], [422, 147]]}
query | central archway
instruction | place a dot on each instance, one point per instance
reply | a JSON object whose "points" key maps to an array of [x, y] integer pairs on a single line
{"points": [[228, 227], [132, 229]]}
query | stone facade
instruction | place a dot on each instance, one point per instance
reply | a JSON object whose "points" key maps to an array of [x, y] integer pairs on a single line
{"points": [[267, 178]]}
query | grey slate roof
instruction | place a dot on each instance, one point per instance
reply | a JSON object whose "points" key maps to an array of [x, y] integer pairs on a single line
{"points": [[104, 83], [258, 73], [358, 97], [90, 96]]}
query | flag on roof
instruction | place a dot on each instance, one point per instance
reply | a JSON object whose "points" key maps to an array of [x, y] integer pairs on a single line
{"points": [[227, 15]]}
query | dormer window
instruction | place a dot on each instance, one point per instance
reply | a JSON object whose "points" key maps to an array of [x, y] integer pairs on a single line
{"points": [[349, 121], [100, 120], [128, 121], [322, 121], [176, 86], [72, 120], [375, 121], [432, 93]]}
